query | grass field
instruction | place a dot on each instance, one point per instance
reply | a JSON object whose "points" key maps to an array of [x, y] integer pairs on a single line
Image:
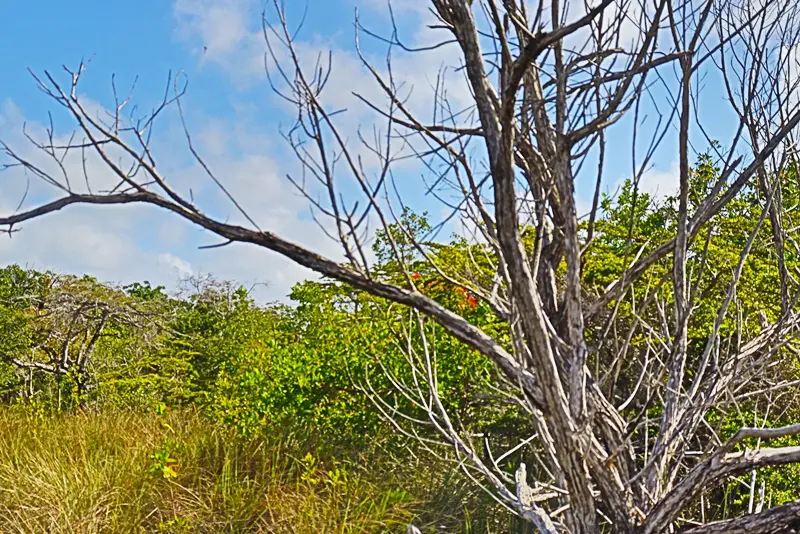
{"points": [[130, 472]]}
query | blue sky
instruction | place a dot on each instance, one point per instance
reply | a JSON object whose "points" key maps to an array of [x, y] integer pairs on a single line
{"points": [[228, 99], [232, 114]]}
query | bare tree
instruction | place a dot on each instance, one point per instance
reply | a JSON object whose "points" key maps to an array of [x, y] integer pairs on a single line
{"points": [[550, 82], [67, 321]]}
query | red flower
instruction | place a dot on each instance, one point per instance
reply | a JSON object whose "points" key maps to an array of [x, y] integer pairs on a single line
{"points": [[467, 299], [415, 275]]}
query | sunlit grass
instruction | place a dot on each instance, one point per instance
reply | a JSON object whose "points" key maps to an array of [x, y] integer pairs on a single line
{"points": [[179, 472], [100, 473]]}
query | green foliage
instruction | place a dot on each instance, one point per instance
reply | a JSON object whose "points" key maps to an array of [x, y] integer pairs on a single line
{"points": [[251, 373], [163, 464], [398, 243], [631, 225], [144, 291], [316, 360]]}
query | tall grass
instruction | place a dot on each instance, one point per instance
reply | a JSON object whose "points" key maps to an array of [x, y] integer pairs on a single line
{"points": [[104, 473], [179, 472]]}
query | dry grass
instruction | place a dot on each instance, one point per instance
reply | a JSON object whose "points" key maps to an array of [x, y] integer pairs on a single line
{"points": [[95, 473]]}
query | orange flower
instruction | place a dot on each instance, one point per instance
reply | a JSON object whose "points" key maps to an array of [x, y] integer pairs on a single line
{"points": [[415, 275]]}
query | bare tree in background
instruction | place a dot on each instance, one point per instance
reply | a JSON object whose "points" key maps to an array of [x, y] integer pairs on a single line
{"points": [[67, 320], [548, 83]]}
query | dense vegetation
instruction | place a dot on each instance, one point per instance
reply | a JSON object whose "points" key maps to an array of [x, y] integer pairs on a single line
{"points": [[128, 408]]}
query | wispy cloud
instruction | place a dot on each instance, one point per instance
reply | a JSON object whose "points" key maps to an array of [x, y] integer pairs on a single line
{"points": [[129, 243], [225, 33]]}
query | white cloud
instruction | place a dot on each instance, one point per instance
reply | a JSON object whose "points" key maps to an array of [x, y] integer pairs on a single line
{"points": [[223, 32], [399, 6], [415, 74], [221, 25], [789, 65], [101, 241], [136, 242], [627, 20], [87, 240], [180, 266], [661, 183], [240, 43]]}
